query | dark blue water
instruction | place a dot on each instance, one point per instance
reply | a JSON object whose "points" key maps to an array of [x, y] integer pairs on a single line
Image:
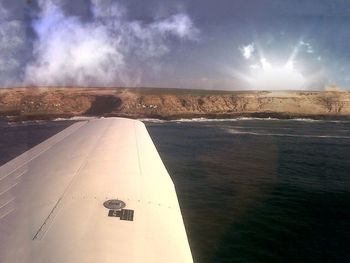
{"points": [[261, 191], [250, 190]]}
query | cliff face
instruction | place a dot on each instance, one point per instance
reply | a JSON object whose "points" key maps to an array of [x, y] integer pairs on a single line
{"points": [[44, 103]]}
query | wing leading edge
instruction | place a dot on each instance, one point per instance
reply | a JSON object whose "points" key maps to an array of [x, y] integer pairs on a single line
{"points": [[95, 192]]}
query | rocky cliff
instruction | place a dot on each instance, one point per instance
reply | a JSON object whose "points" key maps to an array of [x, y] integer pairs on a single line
{"points": [[47, 103]]}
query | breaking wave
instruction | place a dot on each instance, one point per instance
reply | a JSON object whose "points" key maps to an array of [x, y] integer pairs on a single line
{"points": [[151, 120], [77, 118], [182, 120]]}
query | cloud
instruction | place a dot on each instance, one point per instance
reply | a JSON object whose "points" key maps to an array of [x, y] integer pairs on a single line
{"points": [[247, 51], [107, 50], [12, 45], [308, 47]]}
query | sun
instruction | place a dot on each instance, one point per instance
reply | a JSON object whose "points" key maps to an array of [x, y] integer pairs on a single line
{"points": [[262, 74], [265, 76]]}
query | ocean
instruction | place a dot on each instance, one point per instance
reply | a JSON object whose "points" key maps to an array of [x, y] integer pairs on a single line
{"points": [[250, 190]]}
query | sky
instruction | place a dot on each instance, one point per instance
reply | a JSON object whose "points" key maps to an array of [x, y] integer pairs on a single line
{"points": [[200, 44]]}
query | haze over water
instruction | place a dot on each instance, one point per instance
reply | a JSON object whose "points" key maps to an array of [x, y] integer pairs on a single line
{"points": [[250, 190]]}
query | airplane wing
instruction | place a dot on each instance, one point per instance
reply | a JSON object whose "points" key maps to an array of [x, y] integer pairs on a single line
{"points": [[96, 192]]}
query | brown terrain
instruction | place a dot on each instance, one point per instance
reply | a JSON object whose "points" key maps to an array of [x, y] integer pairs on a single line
{"points": [[49, 103]]}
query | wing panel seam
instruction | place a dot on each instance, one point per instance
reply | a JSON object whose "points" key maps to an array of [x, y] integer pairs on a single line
{"points": [[42, 231]]}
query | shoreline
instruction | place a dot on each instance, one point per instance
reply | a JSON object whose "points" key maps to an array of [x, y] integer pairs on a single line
{"points": [[183, 118], [26, 104]]}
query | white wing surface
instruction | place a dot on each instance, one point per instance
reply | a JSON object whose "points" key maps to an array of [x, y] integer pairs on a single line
{"points": [[52, 199]]}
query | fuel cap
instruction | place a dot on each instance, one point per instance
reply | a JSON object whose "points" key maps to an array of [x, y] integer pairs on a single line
{"points": [[114, 204]]}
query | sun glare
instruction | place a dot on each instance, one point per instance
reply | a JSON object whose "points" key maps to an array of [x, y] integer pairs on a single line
{"points": [[270, 77], [263, 74]]}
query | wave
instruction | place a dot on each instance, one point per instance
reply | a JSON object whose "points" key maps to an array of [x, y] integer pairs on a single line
{"points": [[306, 120], [182, 120], [255, 119], [234, 131], [152, 120], [77, 118], [24, 123], [317, 120], [217, 120], [185, 120], [202, 120]]}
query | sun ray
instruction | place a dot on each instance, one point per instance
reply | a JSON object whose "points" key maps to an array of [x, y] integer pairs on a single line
{"points": [[265, 75]]}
